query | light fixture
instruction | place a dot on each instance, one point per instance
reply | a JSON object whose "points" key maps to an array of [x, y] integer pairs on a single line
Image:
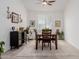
{"points": [[20, 19], [44, 3], [48, 2], [8, 12]]}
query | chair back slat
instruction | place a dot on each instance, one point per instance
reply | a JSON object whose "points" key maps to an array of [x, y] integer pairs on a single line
{"points": [[46, 34]]}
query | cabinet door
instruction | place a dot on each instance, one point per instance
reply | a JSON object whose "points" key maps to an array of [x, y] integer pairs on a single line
{"points": [[14, 38]]}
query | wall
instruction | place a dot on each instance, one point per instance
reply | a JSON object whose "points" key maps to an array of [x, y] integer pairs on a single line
{"points": [[5, 24], [57, 15], [72, 22]]}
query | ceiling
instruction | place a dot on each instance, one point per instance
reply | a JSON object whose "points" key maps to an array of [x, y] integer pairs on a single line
{"points": [[36, 5]]}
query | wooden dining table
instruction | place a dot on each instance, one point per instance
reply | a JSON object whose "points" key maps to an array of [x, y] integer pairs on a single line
{"points": [[40, 38]]}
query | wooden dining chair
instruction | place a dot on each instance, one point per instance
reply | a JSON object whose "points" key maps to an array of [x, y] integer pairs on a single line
{"points": [[46, 37], [37, 38]]}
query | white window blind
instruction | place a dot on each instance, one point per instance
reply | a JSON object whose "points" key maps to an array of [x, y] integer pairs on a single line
{"points": [[43, 21]]}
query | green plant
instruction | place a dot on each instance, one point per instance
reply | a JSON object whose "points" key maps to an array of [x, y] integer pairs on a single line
{"points": [[1, 48], [61, 36]]}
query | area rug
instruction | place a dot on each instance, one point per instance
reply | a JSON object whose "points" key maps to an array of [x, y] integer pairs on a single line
{"points": [[64, 49]]}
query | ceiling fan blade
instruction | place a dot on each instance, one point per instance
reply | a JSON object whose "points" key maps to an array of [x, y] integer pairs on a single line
{"points": [[51, 1], [49, 4], [44, 0]]}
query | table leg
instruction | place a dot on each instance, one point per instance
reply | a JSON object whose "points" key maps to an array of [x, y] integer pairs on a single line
{"points": [[36, 44], [56, 45]]}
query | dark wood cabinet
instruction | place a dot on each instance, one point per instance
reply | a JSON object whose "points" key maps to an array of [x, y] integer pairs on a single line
{"points": [[14, 39]]}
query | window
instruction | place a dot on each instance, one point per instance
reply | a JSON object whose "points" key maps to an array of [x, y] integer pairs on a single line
{"points": [[43, 21]]}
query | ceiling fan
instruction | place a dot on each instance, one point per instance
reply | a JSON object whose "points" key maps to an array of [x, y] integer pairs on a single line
{"points": [[47, 2]]}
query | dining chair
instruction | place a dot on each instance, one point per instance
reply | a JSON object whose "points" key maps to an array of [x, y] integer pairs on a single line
{"points": [[46, 37], [37, 38]]}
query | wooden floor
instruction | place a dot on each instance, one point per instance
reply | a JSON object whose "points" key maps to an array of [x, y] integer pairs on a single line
{"points": [[65, 51]]}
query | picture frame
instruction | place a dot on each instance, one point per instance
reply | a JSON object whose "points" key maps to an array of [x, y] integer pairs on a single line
{"points": [[57, 23], [15, 17]]}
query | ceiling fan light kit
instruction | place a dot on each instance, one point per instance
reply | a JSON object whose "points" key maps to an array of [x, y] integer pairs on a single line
{"points": [[46, 2]]}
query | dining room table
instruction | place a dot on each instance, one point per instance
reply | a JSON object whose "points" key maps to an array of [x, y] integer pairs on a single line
{"points": [[53, 39]]}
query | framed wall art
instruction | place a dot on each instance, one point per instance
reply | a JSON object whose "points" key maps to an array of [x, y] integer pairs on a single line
{"points": [[15, 17], [57, 23]]}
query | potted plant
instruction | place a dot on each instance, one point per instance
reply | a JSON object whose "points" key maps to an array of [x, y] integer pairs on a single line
{"points": [[1, 48], [60, 34]]}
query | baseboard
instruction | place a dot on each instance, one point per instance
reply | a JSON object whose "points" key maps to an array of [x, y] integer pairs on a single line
{"points": [[73, 44], [6, 50]]}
